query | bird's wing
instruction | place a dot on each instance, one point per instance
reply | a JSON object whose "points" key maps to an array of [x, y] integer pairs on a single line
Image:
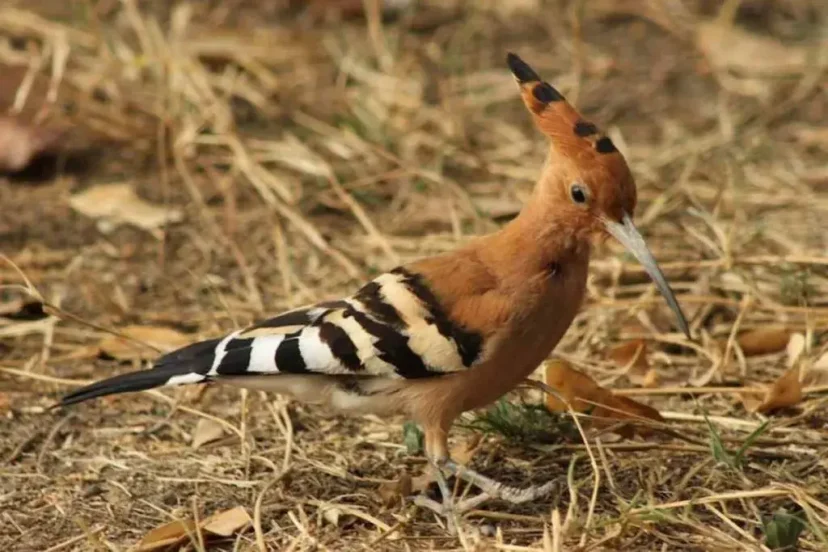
{"points": [[393, 327]]}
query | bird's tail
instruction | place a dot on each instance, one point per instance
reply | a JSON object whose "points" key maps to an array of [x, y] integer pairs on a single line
{"points": [[190, 364]]}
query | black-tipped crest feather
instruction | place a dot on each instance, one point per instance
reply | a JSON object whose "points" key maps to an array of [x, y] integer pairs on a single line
{"points": [[520, 69]]}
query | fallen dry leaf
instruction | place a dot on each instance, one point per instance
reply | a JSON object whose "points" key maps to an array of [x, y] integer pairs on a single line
{"points": [[227, 523], [786, 391], [751, 400], [166, 535], [584, 394], [632, 357], [763, 341], [156, 337], [206, 431], [572, 385], [115, 204], [222, 524], [21, 142]]}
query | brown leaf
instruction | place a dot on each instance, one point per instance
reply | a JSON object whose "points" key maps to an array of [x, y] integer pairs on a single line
{"points": [[222, 524], [115, 204], [788, 389], [584, 394], [785, 392], [751, 400], [227, 523], [572, 386], [632, 356], [206, 431], [155, 337], [629, 409], [165, 535], [21, 142], [763, 341]]}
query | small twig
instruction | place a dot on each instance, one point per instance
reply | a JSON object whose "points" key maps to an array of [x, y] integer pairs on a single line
{"points": [[596, 473], [77, 538], [58, 312], [199, 534], [387, 533], [48, 440], [18, 450], [720, 497], [363, 218], [257, 513]]}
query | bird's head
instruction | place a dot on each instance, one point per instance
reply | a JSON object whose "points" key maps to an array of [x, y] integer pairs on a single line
{"points": [[586, 180]]}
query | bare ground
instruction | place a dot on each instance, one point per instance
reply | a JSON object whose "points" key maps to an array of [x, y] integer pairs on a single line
{"points": [[306, 153]]}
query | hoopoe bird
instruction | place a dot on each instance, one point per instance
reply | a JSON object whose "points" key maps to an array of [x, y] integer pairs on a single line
{"points": [[450, 333]]}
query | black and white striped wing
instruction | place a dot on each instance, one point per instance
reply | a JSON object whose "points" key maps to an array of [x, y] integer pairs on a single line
{"points": [[392, 327]]}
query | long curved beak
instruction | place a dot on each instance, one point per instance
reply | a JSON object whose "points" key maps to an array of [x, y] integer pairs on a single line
{"points": [[626, 233]]}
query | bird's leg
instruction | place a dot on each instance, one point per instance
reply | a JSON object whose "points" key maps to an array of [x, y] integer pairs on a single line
{"points": [[440, 477], [447, 507], [437, 453], [495, 489]]}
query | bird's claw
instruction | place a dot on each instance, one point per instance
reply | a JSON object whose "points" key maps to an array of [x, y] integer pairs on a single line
{"points": [[495, 489], [451, 510]]}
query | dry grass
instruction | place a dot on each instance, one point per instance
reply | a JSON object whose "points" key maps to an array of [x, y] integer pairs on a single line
{"points": [[308, 154]]}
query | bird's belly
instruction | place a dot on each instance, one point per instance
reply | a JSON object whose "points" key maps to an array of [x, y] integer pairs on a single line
{"points": [[339, 394]]}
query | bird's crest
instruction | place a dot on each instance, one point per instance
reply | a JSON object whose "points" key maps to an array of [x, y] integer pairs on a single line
{"points": [[569, 131]]}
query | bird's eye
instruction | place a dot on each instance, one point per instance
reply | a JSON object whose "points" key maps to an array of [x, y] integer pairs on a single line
{"points": [[578, 193]]}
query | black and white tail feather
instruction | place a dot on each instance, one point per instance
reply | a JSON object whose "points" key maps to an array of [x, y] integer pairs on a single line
{"points": [[393, 327]]}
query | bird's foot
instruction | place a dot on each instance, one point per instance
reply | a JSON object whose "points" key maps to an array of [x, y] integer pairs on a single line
{"points": [[495, 489], [448, 509]]}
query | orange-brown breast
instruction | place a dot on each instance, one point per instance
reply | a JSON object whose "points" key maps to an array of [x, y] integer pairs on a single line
{"points": [[520, 305]]}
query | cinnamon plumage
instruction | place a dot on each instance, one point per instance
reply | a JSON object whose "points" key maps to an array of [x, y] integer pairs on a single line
{"points": [[450, 333]]}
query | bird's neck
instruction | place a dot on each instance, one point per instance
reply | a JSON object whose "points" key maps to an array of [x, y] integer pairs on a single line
{"points": [[540, 239]]}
